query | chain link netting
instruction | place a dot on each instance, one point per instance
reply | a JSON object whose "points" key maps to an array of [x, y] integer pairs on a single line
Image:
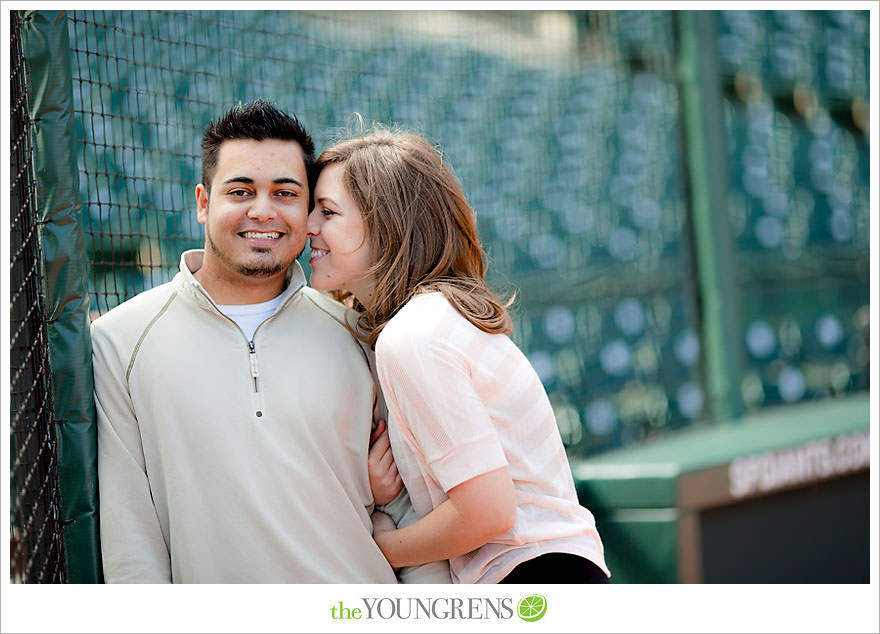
{"points": [[536, 112], [36, 548]]}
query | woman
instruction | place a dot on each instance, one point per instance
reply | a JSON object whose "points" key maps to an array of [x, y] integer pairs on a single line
{"points": [[472, 430]]}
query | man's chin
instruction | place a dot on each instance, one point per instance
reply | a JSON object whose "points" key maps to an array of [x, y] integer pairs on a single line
{"points": [[262, 271]]}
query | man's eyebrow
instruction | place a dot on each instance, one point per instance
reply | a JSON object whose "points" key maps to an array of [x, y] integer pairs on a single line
{"points": [[250, 181], [287, 179]]}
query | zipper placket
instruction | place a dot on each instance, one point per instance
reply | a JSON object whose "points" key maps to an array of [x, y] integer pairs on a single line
{"points": [[252, 350], [255, 375]]}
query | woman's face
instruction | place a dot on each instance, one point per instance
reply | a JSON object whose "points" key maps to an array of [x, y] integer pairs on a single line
{"points": [[339, 238]]}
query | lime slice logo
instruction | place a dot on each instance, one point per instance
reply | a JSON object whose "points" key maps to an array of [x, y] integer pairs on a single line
{"points": [[532, 608]]}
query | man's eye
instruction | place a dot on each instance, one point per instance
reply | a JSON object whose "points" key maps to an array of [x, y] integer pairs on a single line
{"points": [[287, 194], [238, 193]]}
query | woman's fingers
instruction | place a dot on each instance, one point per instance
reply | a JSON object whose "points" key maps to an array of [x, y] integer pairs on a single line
{"points": [[378, 430]]}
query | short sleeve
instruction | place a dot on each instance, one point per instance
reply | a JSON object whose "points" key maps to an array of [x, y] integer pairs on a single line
{"points": [[425, 375]]}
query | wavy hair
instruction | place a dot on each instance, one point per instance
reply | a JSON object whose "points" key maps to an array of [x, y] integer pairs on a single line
{"points": [[422, 230]]}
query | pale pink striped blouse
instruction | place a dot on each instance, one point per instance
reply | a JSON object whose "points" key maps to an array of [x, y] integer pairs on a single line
{"points": [[461, 403]]}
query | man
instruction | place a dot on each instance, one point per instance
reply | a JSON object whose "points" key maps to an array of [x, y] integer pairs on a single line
{"points": [[234, 408]]}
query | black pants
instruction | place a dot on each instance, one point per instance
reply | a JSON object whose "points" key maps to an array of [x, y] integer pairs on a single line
{"points": [[556, 568]]}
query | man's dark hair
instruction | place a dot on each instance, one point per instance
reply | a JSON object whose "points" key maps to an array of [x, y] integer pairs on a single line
{"points": [[258, 120]]}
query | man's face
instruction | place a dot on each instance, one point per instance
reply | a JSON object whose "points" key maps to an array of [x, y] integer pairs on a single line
{"points": [[255, 216]]}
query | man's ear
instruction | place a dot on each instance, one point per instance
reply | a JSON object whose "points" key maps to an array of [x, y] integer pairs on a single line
{"points": [[202, 203]]}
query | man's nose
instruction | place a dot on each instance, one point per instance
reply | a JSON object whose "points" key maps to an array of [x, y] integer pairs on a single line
{"points": [[262, 209]]}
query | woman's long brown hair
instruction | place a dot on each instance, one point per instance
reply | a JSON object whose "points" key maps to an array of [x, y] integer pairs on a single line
{"points": [[422, 230]]}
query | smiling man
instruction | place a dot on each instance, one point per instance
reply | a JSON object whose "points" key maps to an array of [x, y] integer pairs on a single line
{"points": [[255, 216], [234, 408]]}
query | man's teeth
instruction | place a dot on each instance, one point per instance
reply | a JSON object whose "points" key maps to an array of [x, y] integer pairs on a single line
{"points": [[261, 235]]}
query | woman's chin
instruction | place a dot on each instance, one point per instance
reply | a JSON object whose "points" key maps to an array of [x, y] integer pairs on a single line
{"points": [[322, 284]]}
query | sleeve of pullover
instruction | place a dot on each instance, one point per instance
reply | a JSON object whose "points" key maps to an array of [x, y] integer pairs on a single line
{"points": [[132, 544], [401, 511]]}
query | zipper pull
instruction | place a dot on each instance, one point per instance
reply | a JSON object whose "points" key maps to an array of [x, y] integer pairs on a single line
{"points": [[255, 370]]}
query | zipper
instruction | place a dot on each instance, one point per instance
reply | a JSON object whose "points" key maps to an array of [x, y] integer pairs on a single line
{"points": [[252, 351], [255, 369], [255, 375]]}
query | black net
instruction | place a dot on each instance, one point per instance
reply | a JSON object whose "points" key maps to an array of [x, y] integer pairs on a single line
{"points": [[569, 152], [36, 548], [565, 131]]}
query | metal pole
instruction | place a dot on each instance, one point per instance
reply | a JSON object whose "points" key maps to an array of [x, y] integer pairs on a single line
{"points": [[712, 237]]}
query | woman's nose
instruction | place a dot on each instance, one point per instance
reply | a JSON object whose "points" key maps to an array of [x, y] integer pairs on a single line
{"points": [[312, 226]]}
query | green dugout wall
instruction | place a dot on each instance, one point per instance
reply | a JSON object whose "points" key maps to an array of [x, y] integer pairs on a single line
{"points": [[778, 497]]}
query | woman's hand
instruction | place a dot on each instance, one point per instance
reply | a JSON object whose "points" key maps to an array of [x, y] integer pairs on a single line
{"points": [[385, 482], [477, 511]]}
